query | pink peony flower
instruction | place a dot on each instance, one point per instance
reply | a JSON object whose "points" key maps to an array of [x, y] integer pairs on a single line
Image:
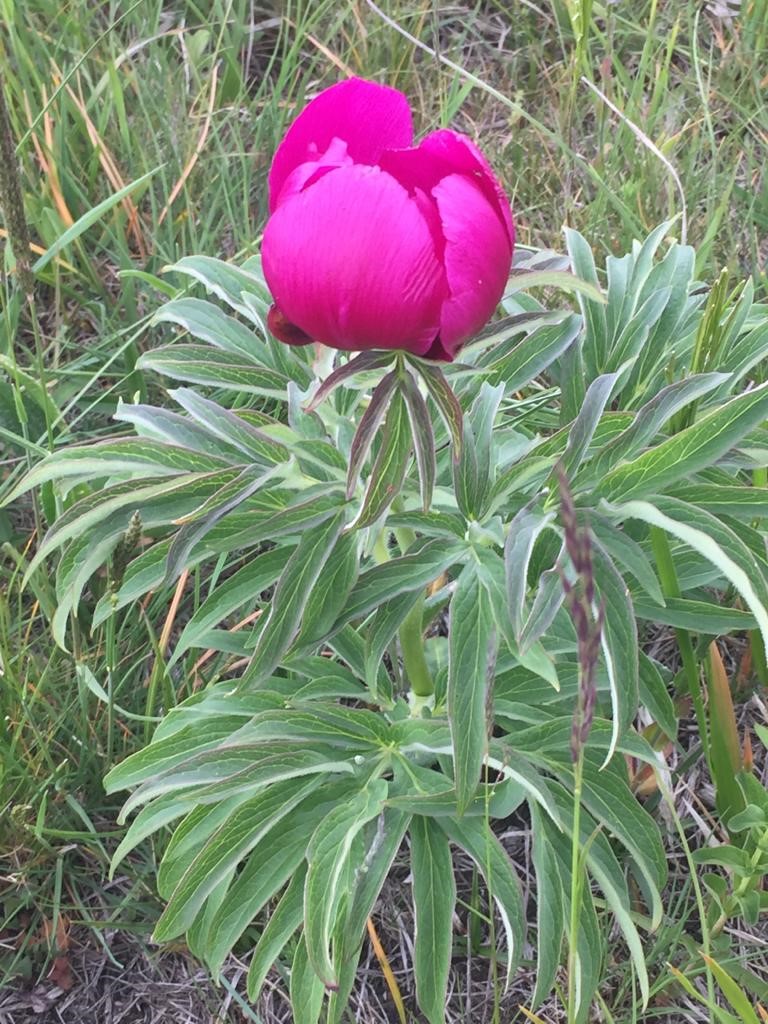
{"points": [[374, 243]]}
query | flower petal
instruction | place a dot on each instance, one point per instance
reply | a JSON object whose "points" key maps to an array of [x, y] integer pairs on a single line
{"points": [[368, 117], [447, 152], [477, 259], [351, 262]]}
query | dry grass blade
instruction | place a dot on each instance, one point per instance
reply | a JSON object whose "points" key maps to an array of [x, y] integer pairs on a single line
{"points": [[386, 970], [45, 158], [108, 163]]}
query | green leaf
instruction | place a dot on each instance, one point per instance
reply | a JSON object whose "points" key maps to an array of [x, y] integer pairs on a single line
{"points": [[272, 515], [524, 280], [522, 534], [224, 280], [269, 866], [583, 429], [517, 366], [231, 428], [434, 899], [607, 797], [591, 941], [209, 323], [198, 523], [329, 595], [329, 724], [216, 368], [384, 624], [747, 503], [124, 457], [364, 362], [697, 616], [476, 838], [243, 587], [281, 924], [547, 601], [619, 643], [474, 470], [306, 989], [628, 553], [383, 839], [166, 751], [445, 400], [655, 696], [301, 573], [689, 451], [156, 424], [327, 855], [550, 912], [236, 768], [368, 427], [423, 438], [733, 993], [650, 419], [174, 493], [712, 539], [410, 572], [593, 310], [389, 469], [607, 872], [471, 646], [241, 832]]}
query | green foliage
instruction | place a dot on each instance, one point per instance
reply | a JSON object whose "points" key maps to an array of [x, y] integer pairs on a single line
{"points": [[323, 516]]}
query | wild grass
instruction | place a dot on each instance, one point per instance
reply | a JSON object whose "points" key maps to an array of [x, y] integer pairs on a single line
{"points": [[586, 110]]}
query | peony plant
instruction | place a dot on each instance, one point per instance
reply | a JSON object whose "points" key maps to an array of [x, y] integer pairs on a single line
{"points": [[426, 554]]}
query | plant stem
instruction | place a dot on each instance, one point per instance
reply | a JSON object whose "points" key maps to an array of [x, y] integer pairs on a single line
{"points": [[110, 658], [671, 588], [412, 646], [576, 884], [411, 635]]}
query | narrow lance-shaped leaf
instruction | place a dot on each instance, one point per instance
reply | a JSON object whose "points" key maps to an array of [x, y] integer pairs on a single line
{"points": [[550, 912], [471, 653], [242, 587], [474, 472], [389, 468], [282, 923], [596, 340], [619, 642], [129, 456], [413, 571], [362, 363], [196, 524], [651, 418], [523, 531], [291, 595], [713, 540], [691, 450], [475, 837], [201, 364], [446, 401], [231, 428], [423, 438], [225, 849], [206, 321], [597, 397], [520, 365], [434, 899], [327, 855], [305, 988], [367, 428]]}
